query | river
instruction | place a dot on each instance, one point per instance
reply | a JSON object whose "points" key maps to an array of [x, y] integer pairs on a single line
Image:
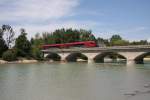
{"points": [[74, 81]]}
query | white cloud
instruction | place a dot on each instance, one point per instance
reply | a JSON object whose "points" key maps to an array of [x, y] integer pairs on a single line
{"points": [[40, 15], [32, 30], [148, 40], [136, 29], [29, 10]]}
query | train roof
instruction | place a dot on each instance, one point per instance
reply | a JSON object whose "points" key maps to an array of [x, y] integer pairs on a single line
{"points": [[72, 43]]}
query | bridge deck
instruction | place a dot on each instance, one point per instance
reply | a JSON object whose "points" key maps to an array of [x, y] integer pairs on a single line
{"points": [[139, 48]]}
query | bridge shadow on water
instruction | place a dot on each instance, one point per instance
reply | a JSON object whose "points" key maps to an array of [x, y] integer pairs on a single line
{"points": [[143, 59], [75, 57], [53, 56], [109, 57]]}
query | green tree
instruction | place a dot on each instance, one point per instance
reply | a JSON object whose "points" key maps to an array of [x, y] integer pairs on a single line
{"points": [[120, 43], [8, 34], [116, 40], [66, 36], [86, 35], [141, 42], [22, 45], [102, 42], [3, 46], [9, 55], [36, 53], [37, 41]]}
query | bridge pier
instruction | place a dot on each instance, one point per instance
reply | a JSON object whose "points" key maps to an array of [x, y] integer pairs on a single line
{"points": [[90, 61], [130, 62], [45, 54], [90, 56], [63, 56]]}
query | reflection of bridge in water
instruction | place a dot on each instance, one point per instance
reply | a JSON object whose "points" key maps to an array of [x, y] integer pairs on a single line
{"points": [[97, 54]]}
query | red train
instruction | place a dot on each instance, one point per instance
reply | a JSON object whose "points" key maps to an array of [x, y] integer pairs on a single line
{"points": [[73, 44]]}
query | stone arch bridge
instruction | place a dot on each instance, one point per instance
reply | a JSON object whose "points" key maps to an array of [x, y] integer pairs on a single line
{"points": [[129, 53]]}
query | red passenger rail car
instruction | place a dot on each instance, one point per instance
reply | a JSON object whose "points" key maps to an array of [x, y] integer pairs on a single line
{"points": [[69, 45]]}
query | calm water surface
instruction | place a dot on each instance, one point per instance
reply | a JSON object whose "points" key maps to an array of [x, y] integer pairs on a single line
{"points": [[74, 81]]}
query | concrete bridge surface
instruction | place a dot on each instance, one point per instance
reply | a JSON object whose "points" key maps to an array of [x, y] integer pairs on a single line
{"points": [[129, 53]]}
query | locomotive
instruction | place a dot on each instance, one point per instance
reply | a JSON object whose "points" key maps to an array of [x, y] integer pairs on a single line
{"points": [[86, 44]]}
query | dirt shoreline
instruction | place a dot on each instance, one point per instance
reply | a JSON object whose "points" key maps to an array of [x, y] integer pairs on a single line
{"points": [[19, 62], [25, 61], [146, 58]]}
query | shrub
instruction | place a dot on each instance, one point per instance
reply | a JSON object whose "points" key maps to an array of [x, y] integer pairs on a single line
{"points": [[3, 46], [23, 45], [37, 54], [9, 55]]}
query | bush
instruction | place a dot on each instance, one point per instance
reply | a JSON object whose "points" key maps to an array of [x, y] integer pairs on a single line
{"points": [[3, 46], [37, 54], [9, 55], [23, 45], [119, 43]]}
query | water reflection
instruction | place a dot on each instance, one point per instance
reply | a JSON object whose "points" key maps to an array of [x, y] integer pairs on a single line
{"points": [[74, 81]]}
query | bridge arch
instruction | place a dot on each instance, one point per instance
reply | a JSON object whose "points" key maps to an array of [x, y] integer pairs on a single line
{"points": [[140, 59], [112, 55], [53, 56], [74, 57]]}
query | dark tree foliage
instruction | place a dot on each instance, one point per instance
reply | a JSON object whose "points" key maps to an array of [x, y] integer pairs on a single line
{"points": [[9, 55], [65, 36], [36, 53], [141, 42], [23, 45], [102, 42], [3, 46], [116, 40]]}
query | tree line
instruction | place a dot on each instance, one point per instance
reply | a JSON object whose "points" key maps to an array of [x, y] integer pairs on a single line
{"points": [[117, 40], [12, 48]]}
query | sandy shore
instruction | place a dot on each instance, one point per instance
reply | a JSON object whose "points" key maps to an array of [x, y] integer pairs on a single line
{"points": [[19, 61], [147, 59], [25, 61], [3, 62]]}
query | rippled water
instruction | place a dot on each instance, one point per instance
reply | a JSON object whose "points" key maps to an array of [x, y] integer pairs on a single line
{"points": [[74, 81]]}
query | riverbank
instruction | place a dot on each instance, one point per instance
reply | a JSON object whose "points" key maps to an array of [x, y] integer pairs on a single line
{"points": [[25, 61], [147, 59]]}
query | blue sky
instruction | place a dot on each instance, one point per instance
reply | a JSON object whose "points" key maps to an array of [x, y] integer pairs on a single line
{"points": [[128, 18]]}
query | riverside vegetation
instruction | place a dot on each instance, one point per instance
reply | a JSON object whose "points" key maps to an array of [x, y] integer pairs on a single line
{"points": [[15, 49]]}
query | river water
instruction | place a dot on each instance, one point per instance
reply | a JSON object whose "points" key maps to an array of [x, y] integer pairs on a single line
{"points": [[74, 81]]}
